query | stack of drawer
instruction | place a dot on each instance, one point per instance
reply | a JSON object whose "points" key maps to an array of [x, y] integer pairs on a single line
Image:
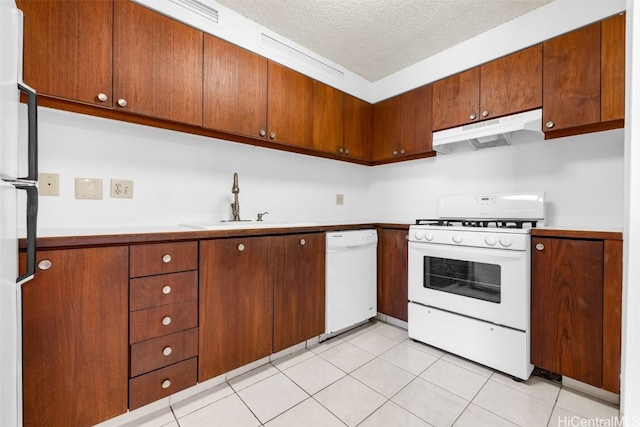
{"points": [[163, 320]]}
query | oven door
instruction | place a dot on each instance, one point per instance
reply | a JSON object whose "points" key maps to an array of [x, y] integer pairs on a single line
{"points": [[486, 284]]}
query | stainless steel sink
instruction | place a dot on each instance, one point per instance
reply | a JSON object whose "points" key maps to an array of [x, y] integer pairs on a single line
{"points": [[243, 225]]}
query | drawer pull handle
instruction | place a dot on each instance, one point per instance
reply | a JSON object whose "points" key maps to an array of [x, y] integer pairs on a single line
{"points": [[166, 384], [303, 242], [166, 289], [45, 264], [166, 321], [540, 247], [166, 258], [167, 351], [241, 247]]}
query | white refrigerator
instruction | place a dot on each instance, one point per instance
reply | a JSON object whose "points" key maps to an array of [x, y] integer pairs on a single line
{"points": [[15, 179]]}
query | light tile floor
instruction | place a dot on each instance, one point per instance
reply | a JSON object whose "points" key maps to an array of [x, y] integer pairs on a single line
{"points": [[376, 376]]}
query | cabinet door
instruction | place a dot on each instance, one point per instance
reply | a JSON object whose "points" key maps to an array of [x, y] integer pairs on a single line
{"points": [[393, 256], [386, 128], [571, 82], [67, 48], [290, 107], [612, 86], [328, 119], [358, 127], [455, 99], [235, 89], [157, 65], [75, 338], [566, 307], [511, 84], [236, 303], [415, 129], [298, 299]]}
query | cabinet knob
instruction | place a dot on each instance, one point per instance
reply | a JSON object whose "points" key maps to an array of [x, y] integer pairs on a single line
{"points": [[540, 247], [166, 258], [263, 132], [272, 135], [241, 247], [166, 384], [122, 102], [472, 116], [403, 151], [166, 320], [45, 264], [303, 242], [167, 351], [395, 152], [485, 113], [340, 150], [102, 97], [166, 289], [549, 125], [346, 151]]}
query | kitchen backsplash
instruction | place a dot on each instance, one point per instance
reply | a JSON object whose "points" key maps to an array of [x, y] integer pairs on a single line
{"points": [[185, 178]]}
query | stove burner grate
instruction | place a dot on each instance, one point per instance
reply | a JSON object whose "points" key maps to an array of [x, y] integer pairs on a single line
{"points": [[479, 223]]}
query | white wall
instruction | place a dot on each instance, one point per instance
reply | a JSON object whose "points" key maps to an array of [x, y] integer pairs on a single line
{"points": [[184, 178], [582, 177]]}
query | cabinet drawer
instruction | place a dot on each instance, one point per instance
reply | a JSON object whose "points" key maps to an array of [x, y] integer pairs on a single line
{"points": [[163, 382], [163, 289], [164, 320], [156, 353], [160, 258]]}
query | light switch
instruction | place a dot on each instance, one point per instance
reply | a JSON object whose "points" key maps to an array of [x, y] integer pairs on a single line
{"points": [[89, 188]]}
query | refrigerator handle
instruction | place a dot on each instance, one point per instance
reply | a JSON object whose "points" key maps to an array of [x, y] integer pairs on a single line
{"points": [[32, 114], [32, 215]]}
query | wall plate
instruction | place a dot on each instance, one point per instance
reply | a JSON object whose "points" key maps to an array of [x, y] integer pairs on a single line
{"points": [[121, 189], [89, 188], [48, 184]]}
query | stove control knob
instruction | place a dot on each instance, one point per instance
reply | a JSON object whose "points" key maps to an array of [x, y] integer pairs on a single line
{"points": [[429, 236], [506, 242], [457, 238], [419, 235], [490, 240]]}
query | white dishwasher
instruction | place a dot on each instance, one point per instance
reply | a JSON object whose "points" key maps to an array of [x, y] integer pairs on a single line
{"points": [[351, 279]]}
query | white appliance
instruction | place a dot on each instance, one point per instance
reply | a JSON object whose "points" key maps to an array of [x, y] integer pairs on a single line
{"points": [[10, 185], [470, 278], [521, 127], [351, 279]]}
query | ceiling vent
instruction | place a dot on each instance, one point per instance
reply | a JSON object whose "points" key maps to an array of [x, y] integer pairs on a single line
{"points": [[198, 7], [301, 57]]}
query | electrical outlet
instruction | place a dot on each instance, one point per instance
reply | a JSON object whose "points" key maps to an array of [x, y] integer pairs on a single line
{"points": [[49, 184], [89, 188], [121, 189], [339, 199]]}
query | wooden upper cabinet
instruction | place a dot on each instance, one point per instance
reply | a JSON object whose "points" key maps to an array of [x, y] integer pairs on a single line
{"points": [[572, 79], [157, 65], [290, 107], [455, 99], [612, 78], [402, 125], [507, 85], [511, 84], [328, 118], [67, 49], [235, 89], [358, 128]]}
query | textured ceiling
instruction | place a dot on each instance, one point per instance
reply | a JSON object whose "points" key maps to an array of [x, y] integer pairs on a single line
{"points": [[375, 38]]}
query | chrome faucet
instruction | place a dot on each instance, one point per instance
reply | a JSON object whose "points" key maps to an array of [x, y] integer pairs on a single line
{"points": [[235, 206]]}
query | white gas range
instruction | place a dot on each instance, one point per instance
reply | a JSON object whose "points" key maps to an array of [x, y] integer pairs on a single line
{"points": [[470, 278]]}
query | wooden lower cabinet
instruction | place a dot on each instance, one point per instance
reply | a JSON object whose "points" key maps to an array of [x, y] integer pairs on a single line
{"points": [[258, 295], [75, 337], [392, 272], [575, 310]]}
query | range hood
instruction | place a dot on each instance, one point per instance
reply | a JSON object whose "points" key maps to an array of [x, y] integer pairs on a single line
{"points": [[521, 127]]}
